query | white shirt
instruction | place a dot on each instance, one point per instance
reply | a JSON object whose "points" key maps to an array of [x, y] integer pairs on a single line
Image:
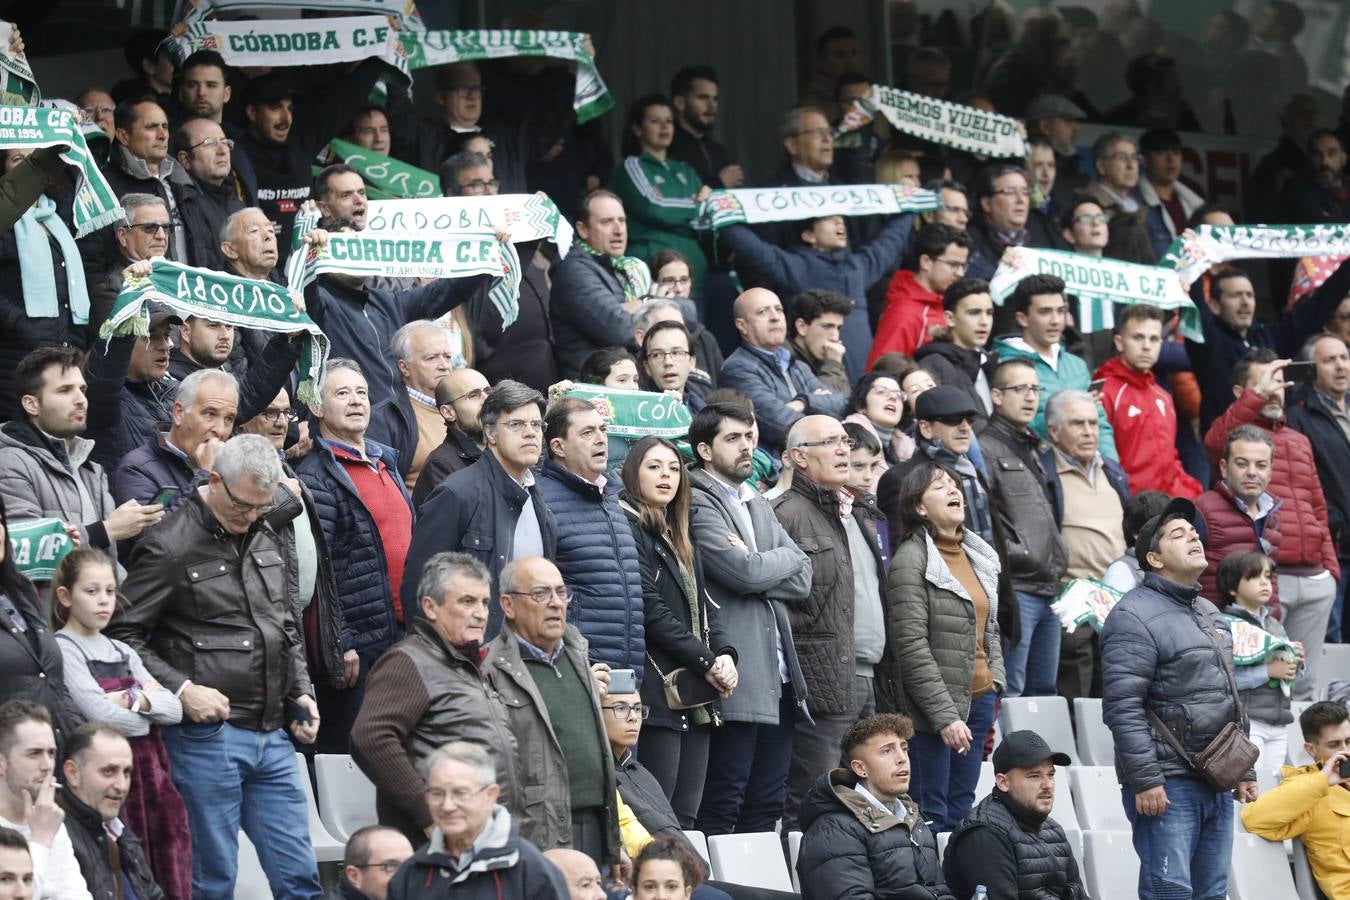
{"points": [[56, 874]]}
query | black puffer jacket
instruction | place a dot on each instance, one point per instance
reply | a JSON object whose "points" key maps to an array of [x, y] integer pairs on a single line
{"points": [[1013, 856], [89, 839], [1157, 653], [1034, 551], [850, 848]]}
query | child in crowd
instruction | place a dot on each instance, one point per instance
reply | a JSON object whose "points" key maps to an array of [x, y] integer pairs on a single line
{"points": [[615, 368], [110, 684], [865, 466], [1244, 583]]}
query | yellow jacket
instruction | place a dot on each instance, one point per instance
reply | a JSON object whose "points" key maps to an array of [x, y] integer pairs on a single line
{"points": [[1305, 806], [635, 835]]}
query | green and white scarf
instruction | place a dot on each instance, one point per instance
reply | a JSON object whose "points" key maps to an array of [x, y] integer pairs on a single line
{"points": [[38, 546], [32, 127], [192, 11], [635, 414], [434, 48], [18, 87], [939, 121], [243, 302], [1213, 244], [392, 178], [791, 204], [529, 217], [284, 42], [1098, 282], [633, 273]]}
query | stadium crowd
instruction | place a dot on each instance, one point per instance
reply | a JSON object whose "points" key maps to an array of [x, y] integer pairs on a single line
{"points": [[554, 645]]}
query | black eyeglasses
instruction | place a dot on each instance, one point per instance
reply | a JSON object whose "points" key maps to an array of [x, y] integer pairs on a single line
{"points": [[276, 416], [151, 228], [241, 506], [478, 187], [623, 711]]}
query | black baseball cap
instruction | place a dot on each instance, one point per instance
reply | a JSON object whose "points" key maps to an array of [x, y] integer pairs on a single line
{"points": [[161, 313], [1176, 508], [1020, 749], [942, 401]]}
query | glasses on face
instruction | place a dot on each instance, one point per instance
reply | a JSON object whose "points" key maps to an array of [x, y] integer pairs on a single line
{"points": [[213, 142], [240, 506], [838, 441], [889, 394], [149, 229], [519, 426], [459, 796], [1124, 157], [1091, 219], [954, 421], [622, 711], [957, 211], [675, 281], [954, 265], [1011, 192], [672, 355], [467, 90], [277, 416], [478, 394], [1020, 389], [478, 187], [388, 867], [542, 595], [822, 133]]}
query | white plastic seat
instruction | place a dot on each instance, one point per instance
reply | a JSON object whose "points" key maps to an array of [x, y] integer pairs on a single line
{"points": [[985, 785], [1259, 870], [1304, 881], [1097, 799], [1096, 746], [1110, 866], [794, 850], [700, 843], [326, 847], [754, 860], [346, 795], [942, 838], [1047, 716], [1335, 666]]}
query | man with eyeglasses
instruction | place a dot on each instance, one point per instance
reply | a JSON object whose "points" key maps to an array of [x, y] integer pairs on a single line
{"points": [[808, 151], [1116, 160], [1005, 219], [235, 656], [367, 519], [492, 510], [539, 666], [410, 421], [374, 853], [914, 309], [97, 106], [459, 400], [955, 209], [843, 619], [1033, 553], [209, 194]]}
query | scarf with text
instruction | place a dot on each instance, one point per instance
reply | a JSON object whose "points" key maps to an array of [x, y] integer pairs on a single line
{"points": [[1208, 245], [38, 546], [390, 178], [939, 121], [792, 204], [284, 42], [529, 217], [18, 87], [635, 414], [1099, 283], [208, 294], [191, 11], [31, 127]]}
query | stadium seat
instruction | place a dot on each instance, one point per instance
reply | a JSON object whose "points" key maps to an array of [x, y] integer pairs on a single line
{"points": [[1259, 870], [250, 882], [326, 847], [700, 844], [985, 785], [1335, 666], [346, 795], [1075, 837], [794, 850], [1303, 875], [942, 838], [1110, 866], [1096, 799], [754, 860], [1047, 716], [1063, 811], [1096, 746]]}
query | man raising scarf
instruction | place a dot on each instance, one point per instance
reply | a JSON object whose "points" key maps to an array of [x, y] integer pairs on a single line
{"points": [[596, 288]]}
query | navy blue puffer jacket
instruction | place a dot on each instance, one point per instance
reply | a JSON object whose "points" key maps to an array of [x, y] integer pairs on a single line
{"points": [[599, 561], [355, 548]]}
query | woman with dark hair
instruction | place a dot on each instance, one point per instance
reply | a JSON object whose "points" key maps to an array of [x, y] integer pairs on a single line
{"points": [[666, 869], [670, 274], [681, 628], [31, 665], [614, 368], [659, 194], [878, 403], [943, 666]]}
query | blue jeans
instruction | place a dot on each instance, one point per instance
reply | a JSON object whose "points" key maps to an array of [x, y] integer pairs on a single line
{"points": [[1032, 666], [747, 773], [1185, 852], [230, 776], [943, 781]]}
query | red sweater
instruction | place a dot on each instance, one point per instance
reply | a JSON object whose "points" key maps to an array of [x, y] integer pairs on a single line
{"points": [[390, 511], [1145, 424], [911, 310]]}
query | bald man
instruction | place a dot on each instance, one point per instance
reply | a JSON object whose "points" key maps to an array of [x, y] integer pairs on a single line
{"points": [[783, 389], [580, 873], [459, 398], [842, 619]]}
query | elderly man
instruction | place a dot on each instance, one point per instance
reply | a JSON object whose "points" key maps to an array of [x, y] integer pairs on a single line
{"points": [[208, 195], [428, 690], [475, 847], [373, 855], [1089, 493], [249, 245], [1006, 219], [579, 871], [843, 618], [236, 658], [596, 551], [1008, 842], [143, 234], [1167, 676], [1116, 159], [782, 389], [410, 421], [492, 510], [367, 522], [97, 776], [459, 400], [537, 664]]}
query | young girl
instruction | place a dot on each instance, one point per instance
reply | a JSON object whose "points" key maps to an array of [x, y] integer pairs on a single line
{"points": [[109, 683], [665, 870], [615, 368], [1244, 583]]}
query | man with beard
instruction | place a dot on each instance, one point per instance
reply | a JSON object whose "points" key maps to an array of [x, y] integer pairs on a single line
{"points": [[693, 90], [203, 91], [1321, 195], [459, 399], [1008, 842], [208, 196]]}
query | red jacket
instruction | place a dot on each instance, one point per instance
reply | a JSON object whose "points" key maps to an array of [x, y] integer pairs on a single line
{"points": [[1145, 424], [911, 309], [1228, 529], [1305, 539]]}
